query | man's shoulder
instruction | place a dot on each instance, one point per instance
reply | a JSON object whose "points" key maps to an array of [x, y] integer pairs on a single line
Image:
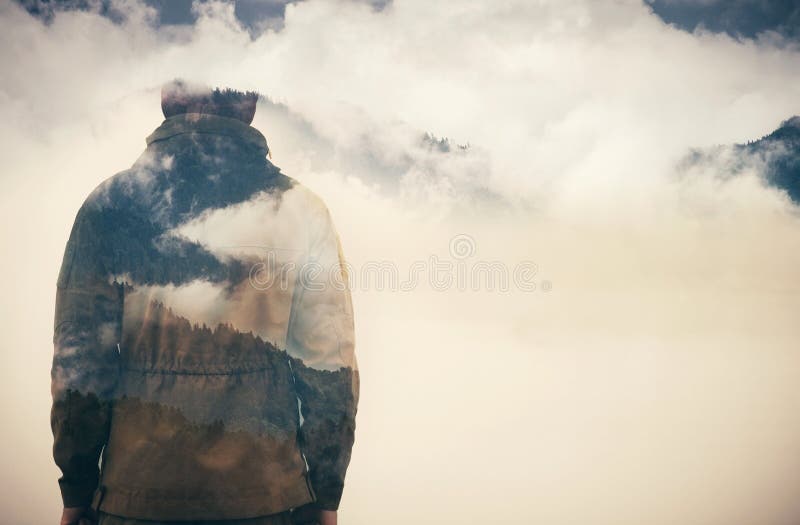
{"points": [[137, 187], [133, 184], [306, 197], [107, 195]]}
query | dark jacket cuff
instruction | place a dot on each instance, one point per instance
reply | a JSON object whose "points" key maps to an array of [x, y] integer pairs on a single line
{"points": [[328, 497], [77, 494]]}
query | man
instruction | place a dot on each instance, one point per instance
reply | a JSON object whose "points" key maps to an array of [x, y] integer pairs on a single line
{"points": [[203, 335]]}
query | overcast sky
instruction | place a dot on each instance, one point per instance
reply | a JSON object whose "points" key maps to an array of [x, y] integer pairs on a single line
{"points": [[738, 18], [650, 377]]}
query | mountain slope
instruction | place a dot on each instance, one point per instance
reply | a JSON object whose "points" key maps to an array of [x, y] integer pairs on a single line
{"points": [[780, 152]]}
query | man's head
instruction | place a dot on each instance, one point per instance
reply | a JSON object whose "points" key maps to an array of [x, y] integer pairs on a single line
{"points": [[179, 97]]}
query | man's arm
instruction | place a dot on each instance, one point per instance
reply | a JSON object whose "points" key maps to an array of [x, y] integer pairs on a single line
{"points": [[321, 344], [84, 370]]}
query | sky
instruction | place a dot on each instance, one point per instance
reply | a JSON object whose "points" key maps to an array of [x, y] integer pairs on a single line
{"points": [[737, 18], [649, 376]]}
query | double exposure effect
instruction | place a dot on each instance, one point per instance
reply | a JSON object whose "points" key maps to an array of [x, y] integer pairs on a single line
{"points": [[206, 396]]}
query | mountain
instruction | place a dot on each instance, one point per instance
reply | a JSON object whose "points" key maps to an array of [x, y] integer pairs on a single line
{"points": [[780, 152]]}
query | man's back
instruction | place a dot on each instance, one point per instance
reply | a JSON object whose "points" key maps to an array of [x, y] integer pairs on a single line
{"points": [[199, 298]]}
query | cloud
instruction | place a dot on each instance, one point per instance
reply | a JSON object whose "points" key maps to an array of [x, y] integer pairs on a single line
{"points": [[653, 383], [256, 15]]}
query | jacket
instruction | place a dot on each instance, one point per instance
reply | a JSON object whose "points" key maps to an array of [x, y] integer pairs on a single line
{"points": [[204, 363]]}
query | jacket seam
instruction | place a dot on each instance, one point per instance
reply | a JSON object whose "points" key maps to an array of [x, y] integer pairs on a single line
{"points": [[200, 132], [155, 371]]}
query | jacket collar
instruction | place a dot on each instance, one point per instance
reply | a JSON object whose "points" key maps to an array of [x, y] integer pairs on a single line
{"points": [[208, 123]]}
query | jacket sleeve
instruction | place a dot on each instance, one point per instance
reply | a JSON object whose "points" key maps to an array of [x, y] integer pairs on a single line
{"points": [[85, 359], [321, 345]]}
